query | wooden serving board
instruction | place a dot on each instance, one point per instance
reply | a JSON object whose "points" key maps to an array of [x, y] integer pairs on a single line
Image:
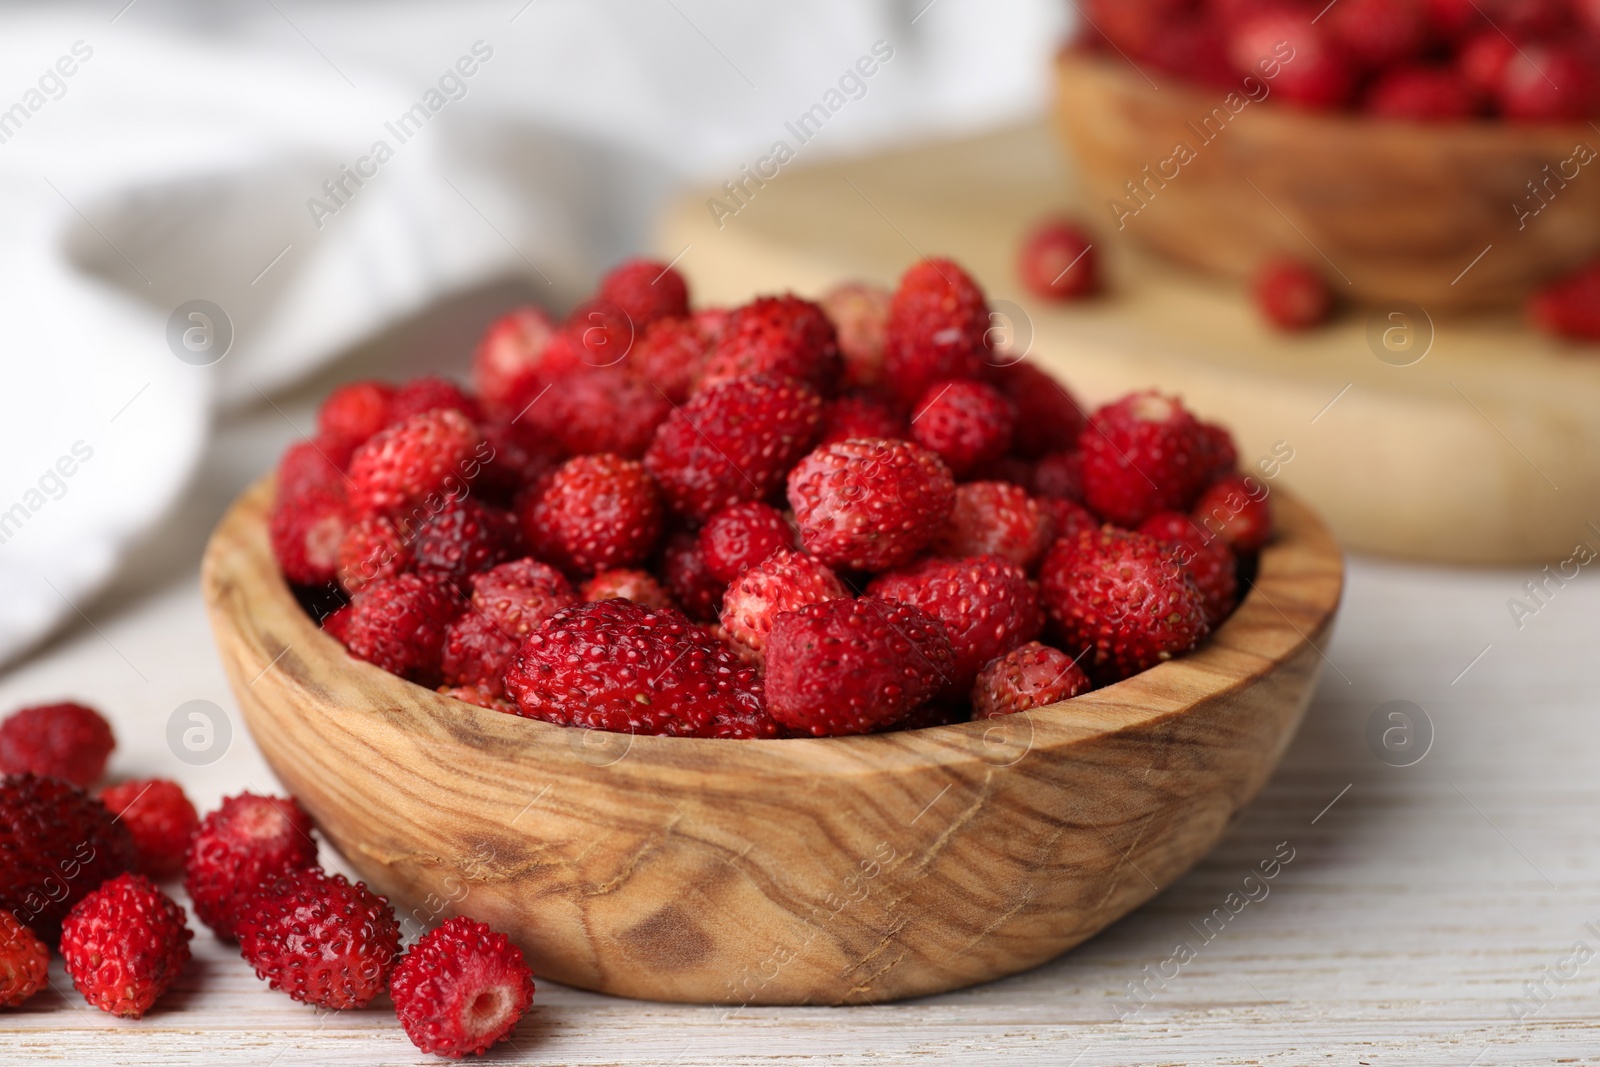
{"points": [[1485, 450]]}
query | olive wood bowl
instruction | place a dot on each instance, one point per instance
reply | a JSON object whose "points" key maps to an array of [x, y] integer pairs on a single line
{"points": [[820, 871], [1389, 211]]}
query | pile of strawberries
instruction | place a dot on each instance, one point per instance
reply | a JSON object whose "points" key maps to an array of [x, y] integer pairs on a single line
{"points": [[784, 519], [80, 872], [1409, 60]]}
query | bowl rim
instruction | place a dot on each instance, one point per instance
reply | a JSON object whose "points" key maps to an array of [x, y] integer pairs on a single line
{"points": [[1290, 604]]}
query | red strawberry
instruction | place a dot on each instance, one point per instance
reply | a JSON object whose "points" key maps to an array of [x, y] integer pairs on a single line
{"points": [[1124, 596], [320, 939], [784, 581], [56, 845], [510, 366], [987, 605], [600, 334], [859, 312], [399, 624], [1312, 70], [354, 412], [1207, 558], [312, 465], [1059, 475], [1029, 676], [938, 329], [305, 530], [371, 548], [641, 587], [602, 410], [616, 665], [515, 455], [1195, 49], [336, 624], [1223, 453], [461, 988], [1142, 454], [741, 536], [1421, 94], [1236, 509], [646, 290], [869, 504], [1482, 61], [24, 962], [1378, 34], [1067, 518], [518, 596], [475, 655], [670, 355], [419, 395], [244, 843], [1290, 295], [124, 945], [995, 519], [67, 740], [860, 415], [853, 666], [1570, 306], [1058, 261], [965, 423], [595, 513], [1049, 417], [463, 539], [1547, 83], [432, 454], [694, 587], [780, 335], [733, 442], [160, 819]]}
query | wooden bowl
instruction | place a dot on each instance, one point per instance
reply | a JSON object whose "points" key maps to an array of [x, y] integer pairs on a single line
{"points": [[828, 871], [1399, 211]]}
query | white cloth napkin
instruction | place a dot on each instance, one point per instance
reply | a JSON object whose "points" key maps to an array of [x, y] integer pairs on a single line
{"points": [[170, 151]]}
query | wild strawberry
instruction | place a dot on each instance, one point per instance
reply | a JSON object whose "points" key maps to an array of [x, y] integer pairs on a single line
{"points": [[1205, 556], [853, 666], [1124, 596], [1313, 71], [461, 988], [938, 329], [416, 396], [320, 939], [995, 519], [1195, 49], [965, 423], [669, 356], [399, 623], [160, 819], [336, 623], [646, 290], [68, 740], [124, 945], [248, 840], [733, 442], [1290, 295], [56, 844], [1482, 61], [694, 587], [595, 513], [1569, 306], [641, 587], [784, 581], [475, 655], [510, 602], [1011, 469], [603, 410], [1142, 454], [741, 536], [305, 531], [1222, 452], [987, 605], [869, 504], [861, 415], [1059, 475], [463, 539], [371, 548], [509, 368], [1029, 676], [354, 412], [1067, 518], [1236, 510], [1420, 94], [24, 962], [600, 333], [312, 465], [1547, 83], [859, 312], [616, 665], [434, 453], [780, 335], [1058, 262], [1049, 417], [713, 322], [515, 455], [1378, 34]]}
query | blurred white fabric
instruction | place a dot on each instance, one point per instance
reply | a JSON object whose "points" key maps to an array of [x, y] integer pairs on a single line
{"points": [[158, 152]]}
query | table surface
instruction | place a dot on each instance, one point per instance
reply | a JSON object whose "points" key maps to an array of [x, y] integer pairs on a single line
{"points": [[1420, 901]]}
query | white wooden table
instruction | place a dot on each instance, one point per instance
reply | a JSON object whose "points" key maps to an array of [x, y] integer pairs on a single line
{"points": [[1419, 901]]}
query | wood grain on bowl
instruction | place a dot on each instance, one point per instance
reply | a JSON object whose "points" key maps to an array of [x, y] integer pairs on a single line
{"points": [[1392, 210], [836, 870]]}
